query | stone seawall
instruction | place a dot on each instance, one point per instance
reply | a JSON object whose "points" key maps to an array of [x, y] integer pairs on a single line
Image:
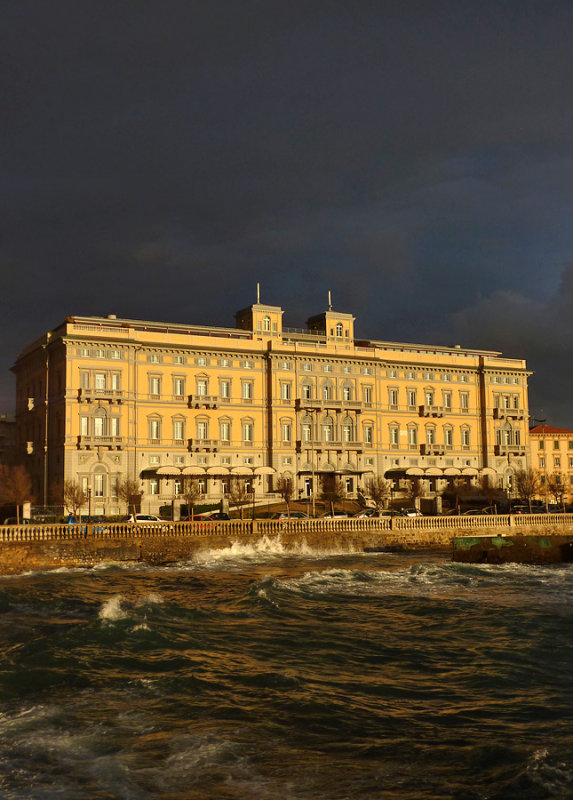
{"points": [[88, 547]]}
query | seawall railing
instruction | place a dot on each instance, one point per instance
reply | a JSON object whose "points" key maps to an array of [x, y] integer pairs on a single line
{"points": [[470, 525]]}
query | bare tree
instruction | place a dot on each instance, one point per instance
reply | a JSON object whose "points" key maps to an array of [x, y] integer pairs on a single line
{"points": [[415, 489], [527, 484], [191, 493], [285, 488], [128, 490], [238, 493], [15, 487], [556, 487], [378, 489], [74, 498], [332, 490], [493, 494]]}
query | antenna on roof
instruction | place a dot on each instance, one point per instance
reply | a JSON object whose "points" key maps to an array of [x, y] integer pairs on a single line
{"points": [[258, 293], [329, 301]]}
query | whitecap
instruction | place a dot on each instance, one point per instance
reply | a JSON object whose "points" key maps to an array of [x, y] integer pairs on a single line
{"points": [[112, 610]]}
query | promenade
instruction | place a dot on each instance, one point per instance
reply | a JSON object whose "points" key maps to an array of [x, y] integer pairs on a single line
{"points": [[32, 547]]}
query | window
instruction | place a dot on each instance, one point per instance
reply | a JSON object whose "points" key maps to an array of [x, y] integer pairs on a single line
{"points": [[179, 359], [346, 368], [307, 367], [464, 401], [202, 429], [266, 323], [225, 431], [153, 486], [225, 389], [223, 362], [412, 395], [285, 365], [542, 463], [367, 371], [465, 437], [306, 391], [430, 436], [154, 459], [177, 487], [178, 430], [248, 430], [285, 391], [429, 397], [154, 358], [99, 426], [115, 381], [368, 434], [155, 429], [367, 394], [327, 368], [339, 329], [98, 485], [247, 390], [346, 393], [328, 431], [178, 387], [393, 398], [347, 432], [286, 429], [114, 426], [154, 385], [394, 436], [327, 392], [557, 462], [247, 364], [411, 374], [542, 444], [447, 400], [556, 444], [99, 381], [202, 387], [429, 376], [201, 361], [84, 426], [412, 437], [85, 380], [448, 437], [392, 373], [306, 431]]}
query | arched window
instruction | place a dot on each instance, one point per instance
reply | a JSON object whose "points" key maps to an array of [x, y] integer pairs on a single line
{"points": [[266, 323], [339, 328]]}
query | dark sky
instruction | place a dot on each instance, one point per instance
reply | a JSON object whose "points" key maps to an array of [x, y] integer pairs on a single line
{"points": [[158, 158]]}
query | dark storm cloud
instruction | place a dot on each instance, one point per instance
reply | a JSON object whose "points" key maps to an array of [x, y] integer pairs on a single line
{"points": [[158, 158]]}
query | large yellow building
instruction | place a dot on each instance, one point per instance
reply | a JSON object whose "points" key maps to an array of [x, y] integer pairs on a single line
{"points": [[100, 398]]}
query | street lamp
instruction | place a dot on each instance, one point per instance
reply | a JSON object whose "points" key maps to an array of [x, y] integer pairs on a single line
{"points": [[89, 503]]}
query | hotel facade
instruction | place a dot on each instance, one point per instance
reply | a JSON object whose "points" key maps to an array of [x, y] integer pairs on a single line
{"points": [[102, 398]]}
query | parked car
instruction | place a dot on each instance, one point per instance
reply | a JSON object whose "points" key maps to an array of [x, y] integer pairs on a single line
{"points": [[372, 512], [336, 515], [411, 512], [143, 518], [215, 515], [293, 515], [14, 521]]}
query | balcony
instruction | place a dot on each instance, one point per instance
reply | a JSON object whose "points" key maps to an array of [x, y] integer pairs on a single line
{"points": [[431, 411], [509, 450], [202, 401], [508, 413], [111, 442], [308, 404], [89, 395], [205, 445], [319, 446], [432, 449]]}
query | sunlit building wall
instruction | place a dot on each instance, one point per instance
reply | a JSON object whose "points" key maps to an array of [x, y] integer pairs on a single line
{"points": [[100, 398]]}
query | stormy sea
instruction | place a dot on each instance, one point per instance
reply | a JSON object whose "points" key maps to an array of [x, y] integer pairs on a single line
{"points": [[254, 673]]}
